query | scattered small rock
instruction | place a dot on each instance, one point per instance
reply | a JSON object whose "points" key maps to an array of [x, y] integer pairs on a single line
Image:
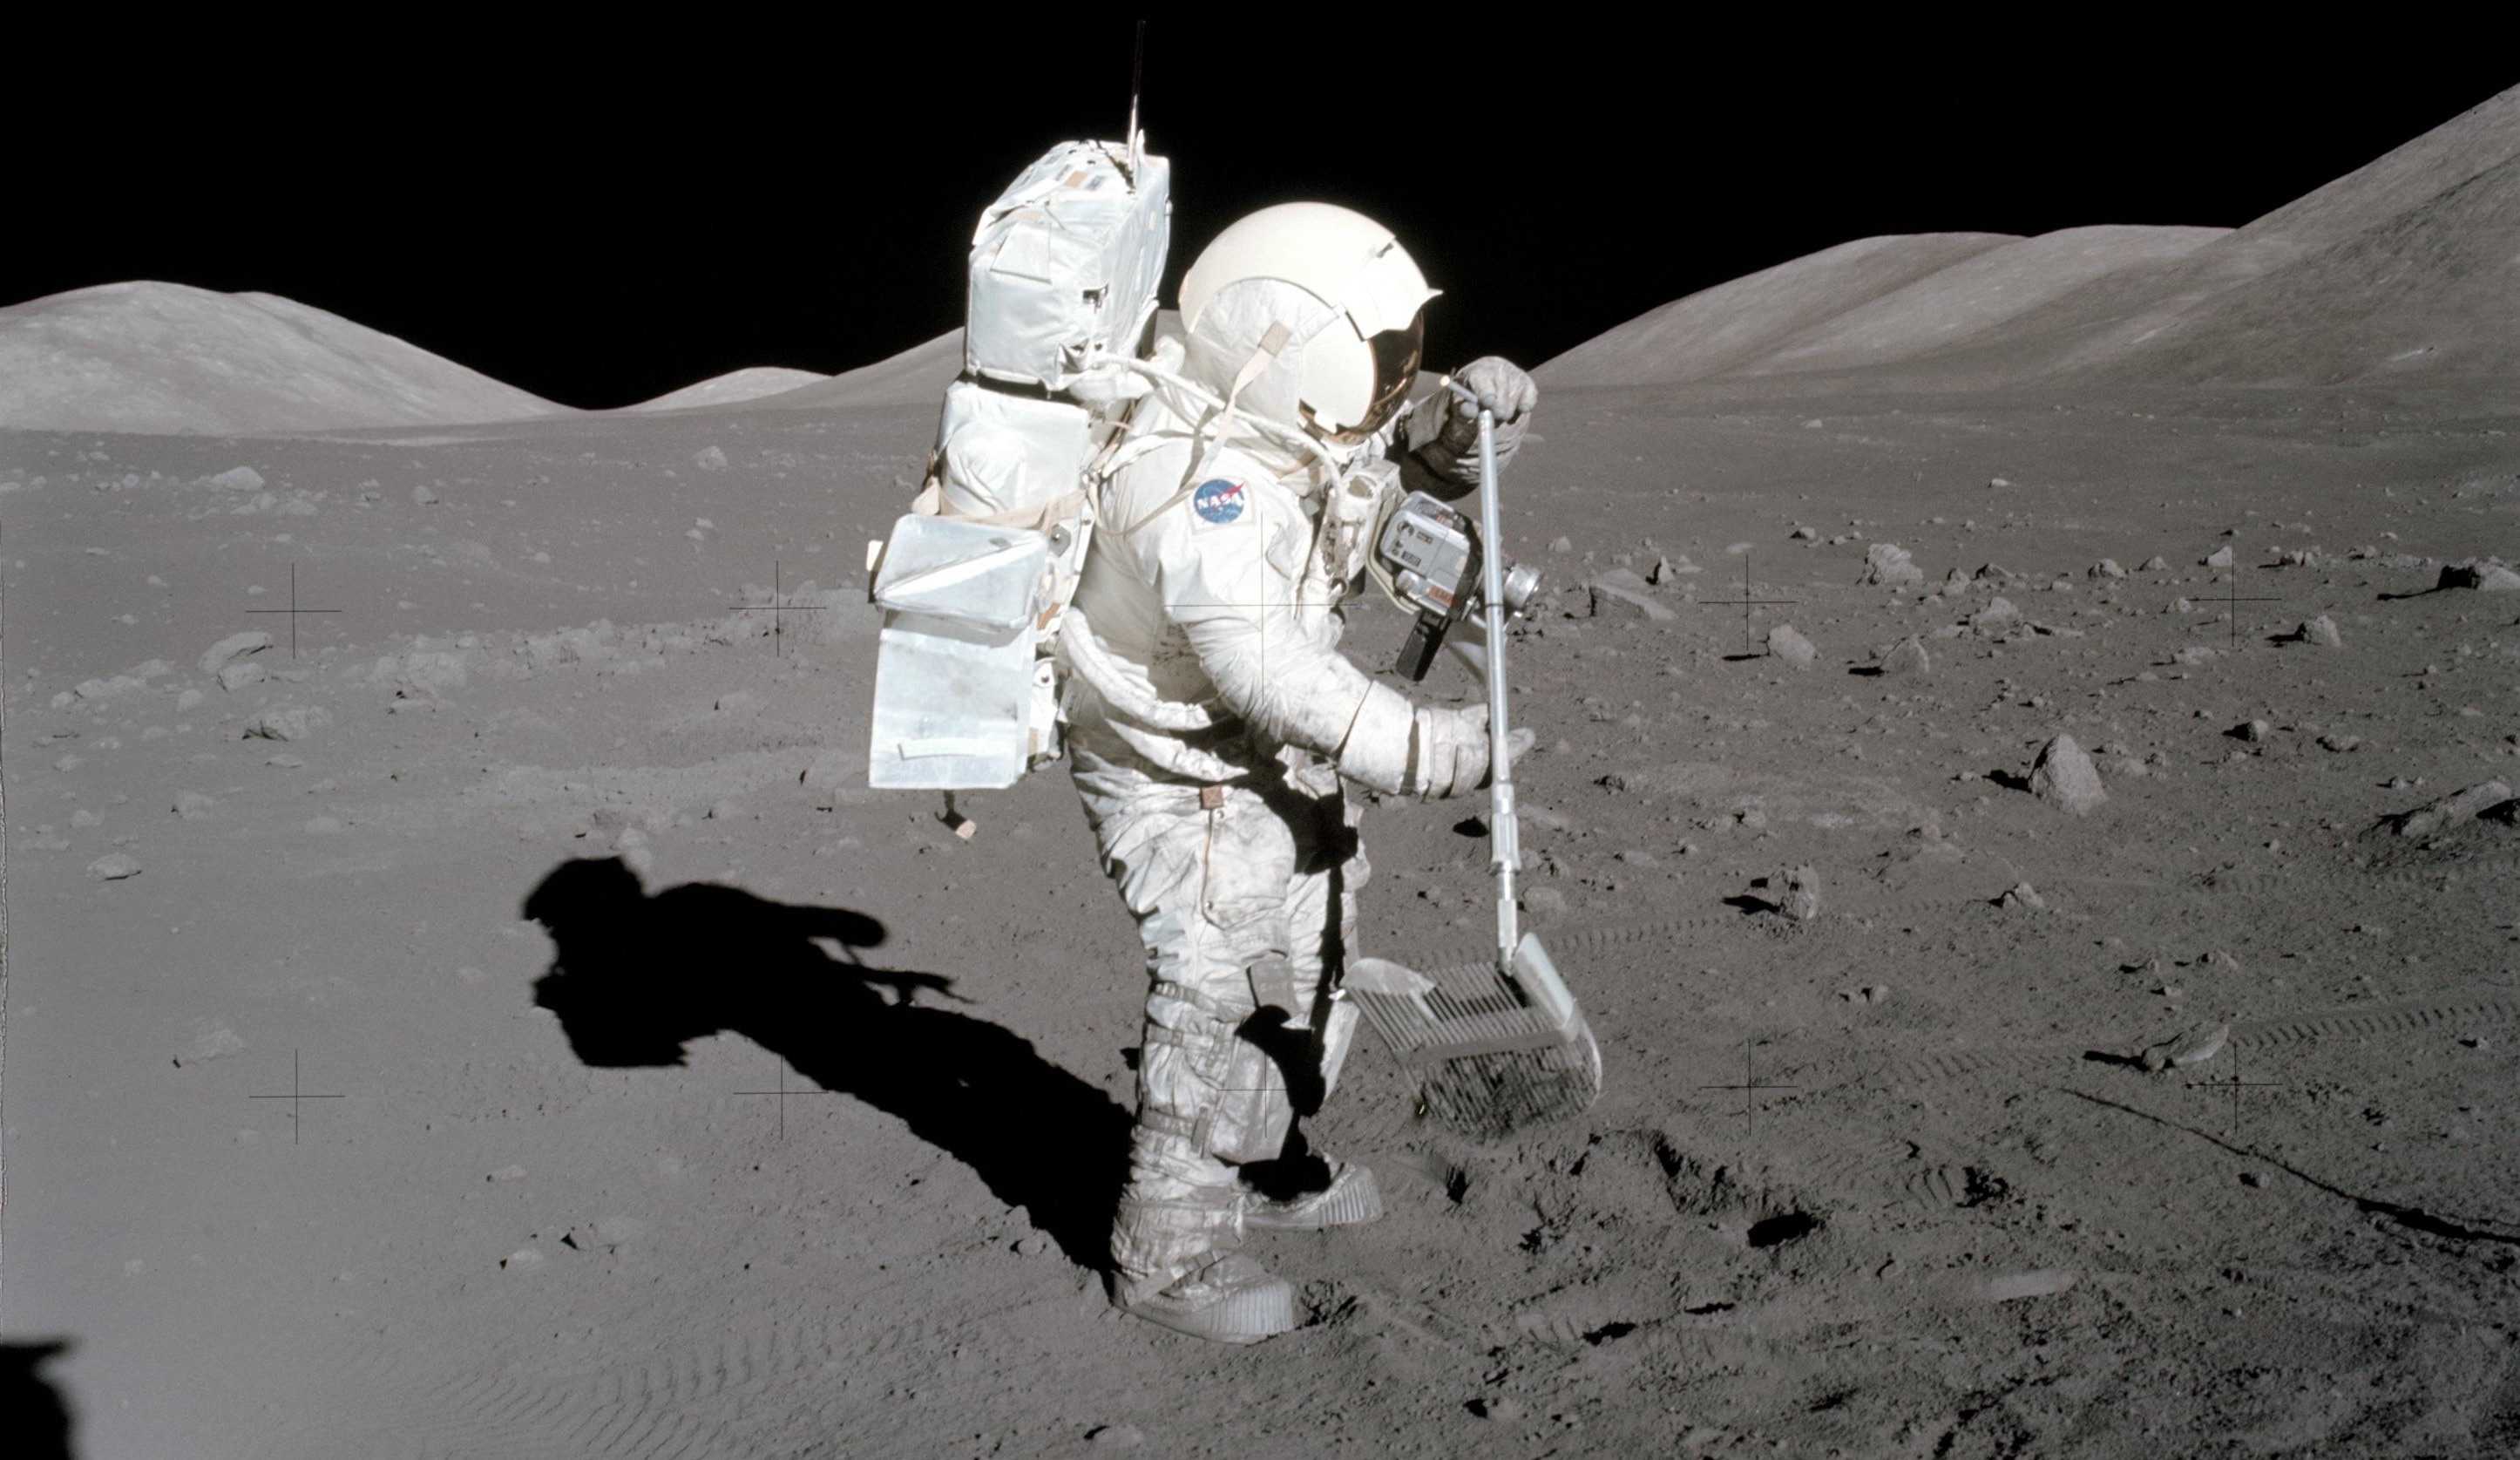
{"points": [[233, 677], [422, 496], [210, 1040], [2340, 743], [1545, 904], [287, 722], [2321, 630], [2220, 556], [709, 458], [113, 866], [193, 805], [1997, 617], [507, 1174], [1562, 544], [2155, 564], [2253, 731], [2107, 568], [2021, 897], [2011, 1287], [1500, 1408], [522, 1259], [1121, 1437]]}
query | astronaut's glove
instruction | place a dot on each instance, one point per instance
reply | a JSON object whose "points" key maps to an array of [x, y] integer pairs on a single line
{"points": [[1444, 433], [1449, 752]]}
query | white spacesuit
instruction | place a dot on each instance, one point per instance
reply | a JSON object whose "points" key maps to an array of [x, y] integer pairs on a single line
{"points": [[1210, 737]]}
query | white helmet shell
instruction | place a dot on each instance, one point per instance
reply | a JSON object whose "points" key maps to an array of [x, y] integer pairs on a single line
{"points": [[1344, 261]]}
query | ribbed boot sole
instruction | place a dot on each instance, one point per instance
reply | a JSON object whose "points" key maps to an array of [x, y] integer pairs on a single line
{"points": [[1244, 1318]]}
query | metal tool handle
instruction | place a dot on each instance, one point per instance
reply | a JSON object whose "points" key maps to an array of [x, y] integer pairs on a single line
{"points": [[1505, 828]]}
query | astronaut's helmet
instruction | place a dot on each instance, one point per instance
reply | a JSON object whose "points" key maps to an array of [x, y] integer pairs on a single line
{"points": [[1352, 304]]}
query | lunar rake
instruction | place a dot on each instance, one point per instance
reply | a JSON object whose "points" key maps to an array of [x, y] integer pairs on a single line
{"points": [[1500, 1045]]}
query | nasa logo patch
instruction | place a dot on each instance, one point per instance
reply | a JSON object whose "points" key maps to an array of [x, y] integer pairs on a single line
{"points": [[1218, 501]]}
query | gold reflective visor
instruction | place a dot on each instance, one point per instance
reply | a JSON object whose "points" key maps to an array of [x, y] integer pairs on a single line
{"points": [[1396, 356]]}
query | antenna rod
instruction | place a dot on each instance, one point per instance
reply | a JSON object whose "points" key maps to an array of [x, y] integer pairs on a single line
{"points": [[1137, 78]]}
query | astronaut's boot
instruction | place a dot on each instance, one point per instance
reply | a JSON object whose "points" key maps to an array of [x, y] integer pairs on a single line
{"points": [[1351, 1197], [1173, 1243], [1305, 1190], [1174, 1263]]}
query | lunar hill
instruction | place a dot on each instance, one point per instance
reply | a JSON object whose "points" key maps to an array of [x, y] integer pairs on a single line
{"points": [[2409, 265], [156, 359]]}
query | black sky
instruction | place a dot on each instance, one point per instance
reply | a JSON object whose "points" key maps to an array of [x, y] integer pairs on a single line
{"points": [[599, 218]]}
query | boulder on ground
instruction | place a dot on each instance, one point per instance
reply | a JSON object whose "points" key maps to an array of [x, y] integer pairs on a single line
{"points": [[2486, 577], [2065, 777], [1621, 594], [1889, 562], [1907, 656], [2450, 810], [1787, 643]]}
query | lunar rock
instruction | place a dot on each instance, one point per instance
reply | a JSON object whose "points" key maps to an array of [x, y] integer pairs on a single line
{"points": [[2107, 568], [2220, 556], [233, 677], [113, 867], [711, 459], [210, 1040], [2194, 1047], [1788, 644], [2484, 577], [236, 480], [232, 648], [2065, 776], [1795, 893], [2155, 564], [1907, 656], [1629, 599], [287, 722], [1889, 562], [1997, 617], [2321, 630], [2450, 810]]}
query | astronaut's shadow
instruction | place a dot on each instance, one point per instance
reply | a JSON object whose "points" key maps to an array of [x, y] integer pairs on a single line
{"points": [[636, 975]]}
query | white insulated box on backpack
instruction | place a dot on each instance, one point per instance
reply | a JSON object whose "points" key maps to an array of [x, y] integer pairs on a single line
{"points": [[1066, 263], [955, 671]]}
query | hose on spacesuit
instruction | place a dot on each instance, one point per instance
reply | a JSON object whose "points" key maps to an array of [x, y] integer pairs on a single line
{"points": [[1084, 654]]}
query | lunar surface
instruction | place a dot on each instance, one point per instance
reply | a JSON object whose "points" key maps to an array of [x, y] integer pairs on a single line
{"points": [[2028, 732]]}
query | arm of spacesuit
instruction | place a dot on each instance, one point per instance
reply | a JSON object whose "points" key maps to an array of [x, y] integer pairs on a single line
{"points": [[1237, 609]]}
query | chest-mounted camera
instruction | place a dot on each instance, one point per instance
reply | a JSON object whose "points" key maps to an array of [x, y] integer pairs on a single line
{"points": [[1429, 556]]}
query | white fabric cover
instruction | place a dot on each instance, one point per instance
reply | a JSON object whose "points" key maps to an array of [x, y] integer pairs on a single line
{"points": [[1065, 264], [955, 688]]}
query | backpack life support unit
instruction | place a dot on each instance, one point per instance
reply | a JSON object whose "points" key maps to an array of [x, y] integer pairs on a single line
{"points": [[976, 577]]}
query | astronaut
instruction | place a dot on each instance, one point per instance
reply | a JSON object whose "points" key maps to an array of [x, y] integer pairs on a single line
{"points": [[1210, 742]]}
